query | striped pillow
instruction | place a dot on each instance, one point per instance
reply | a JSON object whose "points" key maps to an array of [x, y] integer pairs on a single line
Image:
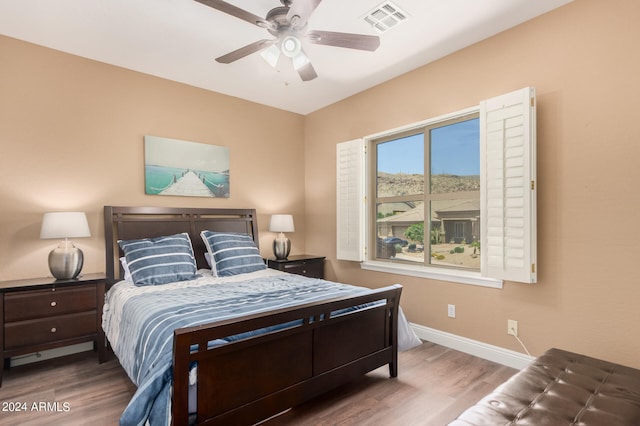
{"points": [[161, 260], [233, 253]]}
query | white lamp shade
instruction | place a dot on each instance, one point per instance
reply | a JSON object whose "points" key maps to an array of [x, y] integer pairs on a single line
{"points": [[271, 55], [291, 46], [281, 223], [64, 225]]}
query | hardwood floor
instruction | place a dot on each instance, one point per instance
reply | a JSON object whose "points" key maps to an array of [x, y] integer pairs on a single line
{"points": [[433, 386], [96, 394]]}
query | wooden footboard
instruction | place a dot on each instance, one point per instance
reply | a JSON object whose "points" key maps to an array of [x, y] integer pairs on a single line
{"points": [[257, 377]]}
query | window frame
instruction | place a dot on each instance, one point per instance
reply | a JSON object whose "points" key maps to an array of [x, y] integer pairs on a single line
{"points": [[423, 270], [426, 197]]}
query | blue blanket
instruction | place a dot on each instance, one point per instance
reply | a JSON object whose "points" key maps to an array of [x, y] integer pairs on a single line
{"points": [[143, 333]]}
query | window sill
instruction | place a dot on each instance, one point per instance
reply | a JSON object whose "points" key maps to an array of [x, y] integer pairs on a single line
{"points": [[452, 275]]}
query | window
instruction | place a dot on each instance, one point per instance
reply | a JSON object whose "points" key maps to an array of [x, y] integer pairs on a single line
{"points": [[449, 198], [427, 194]]}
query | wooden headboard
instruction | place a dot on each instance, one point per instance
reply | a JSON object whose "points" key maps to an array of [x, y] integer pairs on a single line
{"points": [[128, 223]]}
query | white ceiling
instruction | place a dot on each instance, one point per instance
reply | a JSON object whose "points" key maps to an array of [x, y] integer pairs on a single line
{"points": [[179, 39]]}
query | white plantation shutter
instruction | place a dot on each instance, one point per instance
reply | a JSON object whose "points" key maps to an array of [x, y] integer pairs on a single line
{"points": [[508, 193], [350, 200]]}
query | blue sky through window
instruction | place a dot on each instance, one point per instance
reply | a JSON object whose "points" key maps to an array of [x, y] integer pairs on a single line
{"points": [[455, 150]]}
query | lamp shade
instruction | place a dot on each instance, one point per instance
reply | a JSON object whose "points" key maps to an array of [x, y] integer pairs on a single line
{"points": [[291, 46], [281, 223], [64, 225]]}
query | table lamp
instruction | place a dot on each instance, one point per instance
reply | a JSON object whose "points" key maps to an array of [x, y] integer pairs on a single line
{"points": [[281, 223], [66, 260]]}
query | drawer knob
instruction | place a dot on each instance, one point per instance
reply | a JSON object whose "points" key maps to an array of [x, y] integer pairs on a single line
{"points": [[53, 303], [53, 330]]}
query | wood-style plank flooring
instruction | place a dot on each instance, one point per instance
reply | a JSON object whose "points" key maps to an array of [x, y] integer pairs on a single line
{"points": [[433, 386]]}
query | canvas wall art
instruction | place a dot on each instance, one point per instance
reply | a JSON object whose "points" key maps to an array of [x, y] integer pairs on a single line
{"points": [[175, 167]]}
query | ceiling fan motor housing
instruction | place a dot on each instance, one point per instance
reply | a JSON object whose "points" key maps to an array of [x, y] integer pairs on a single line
{"points": [[278, 18]]}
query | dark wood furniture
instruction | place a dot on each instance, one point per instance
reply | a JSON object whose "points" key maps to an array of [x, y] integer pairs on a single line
{"points": [[45, 313], [303, 264], [252, 379]]}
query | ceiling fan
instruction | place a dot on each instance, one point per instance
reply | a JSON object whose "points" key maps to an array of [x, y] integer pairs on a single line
{"points": [[288, 24]]}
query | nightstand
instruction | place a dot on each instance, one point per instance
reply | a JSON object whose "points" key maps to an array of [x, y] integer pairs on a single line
{"points": [[44, 313], [303, 264]]}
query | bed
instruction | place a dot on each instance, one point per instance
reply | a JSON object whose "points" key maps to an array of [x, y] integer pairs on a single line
{"points": [[246, 367]]}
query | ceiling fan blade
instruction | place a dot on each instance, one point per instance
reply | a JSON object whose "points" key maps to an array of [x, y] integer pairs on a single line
{"points": [[232, 10], [302, 65], [271, 55], [300, 11], [307, 72], [348, 40], [245, 51]]}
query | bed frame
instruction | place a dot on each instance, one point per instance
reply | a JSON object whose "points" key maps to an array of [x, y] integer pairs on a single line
{"points": [[253, 379]]}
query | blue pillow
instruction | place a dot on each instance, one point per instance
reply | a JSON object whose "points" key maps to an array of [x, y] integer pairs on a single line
{"points": [[161, 260], [233, 253]]}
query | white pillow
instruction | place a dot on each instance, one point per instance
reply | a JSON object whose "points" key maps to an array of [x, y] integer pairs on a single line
{"points": [[212, 265], [125, 268]]}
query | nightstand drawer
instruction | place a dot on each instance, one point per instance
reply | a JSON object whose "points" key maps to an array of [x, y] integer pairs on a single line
{"points": [[303, 264], [33, 304], [309, 269], [45, 330]]}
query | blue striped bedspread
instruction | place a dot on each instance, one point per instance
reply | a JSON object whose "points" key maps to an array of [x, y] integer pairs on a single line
{"points": [[139, 323]]}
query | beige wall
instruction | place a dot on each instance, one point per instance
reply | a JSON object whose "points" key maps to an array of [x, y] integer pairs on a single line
{"points": [[72, 130], [583, 60], [71, 134]]}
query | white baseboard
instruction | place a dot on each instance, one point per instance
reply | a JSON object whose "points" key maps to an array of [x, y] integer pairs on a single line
{"points": [[482, 350], [51, 353]]}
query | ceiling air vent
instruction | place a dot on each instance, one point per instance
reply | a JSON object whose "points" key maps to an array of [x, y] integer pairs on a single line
{"points": [[385, 16]]}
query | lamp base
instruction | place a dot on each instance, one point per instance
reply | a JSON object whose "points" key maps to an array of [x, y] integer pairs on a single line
{"points": [[281, 247], [65, 261]]}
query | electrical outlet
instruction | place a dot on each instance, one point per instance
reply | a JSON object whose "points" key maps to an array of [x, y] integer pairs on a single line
{"points": [[451, 311], [512, 327]]}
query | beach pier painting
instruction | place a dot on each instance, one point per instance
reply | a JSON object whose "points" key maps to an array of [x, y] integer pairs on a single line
{"points": [[176, 167]]}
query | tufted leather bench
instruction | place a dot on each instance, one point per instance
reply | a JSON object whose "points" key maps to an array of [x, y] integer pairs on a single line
{"points": [[561, 388]]}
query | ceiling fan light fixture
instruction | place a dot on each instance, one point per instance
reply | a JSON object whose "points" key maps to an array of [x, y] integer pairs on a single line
{"points": [[299, 61], [290, 46], [271, 55]]}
